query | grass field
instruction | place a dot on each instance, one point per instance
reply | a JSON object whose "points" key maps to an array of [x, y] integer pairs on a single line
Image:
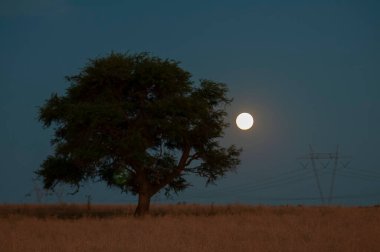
{"points": [[189, 228]]}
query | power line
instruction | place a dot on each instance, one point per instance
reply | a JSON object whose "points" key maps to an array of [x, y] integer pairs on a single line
{"points": [[358, 176], [275, 181], [278, 176], [316, 198], [294, 176], [245, 190], [312, 157], [362, 171]]}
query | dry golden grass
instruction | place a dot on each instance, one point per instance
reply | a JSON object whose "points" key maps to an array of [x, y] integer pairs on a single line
{"points": [[189, 228]]}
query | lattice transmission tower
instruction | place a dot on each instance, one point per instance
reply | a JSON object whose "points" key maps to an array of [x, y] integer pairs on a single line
{"points": [[324, 159]]}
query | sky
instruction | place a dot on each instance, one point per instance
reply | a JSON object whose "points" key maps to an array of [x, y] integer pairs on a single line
{"points": [[308, 71]]}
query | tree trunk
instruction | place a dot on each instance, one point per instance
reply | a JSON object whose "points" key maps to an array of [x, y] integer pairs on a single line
{"points": [[143, 204]]}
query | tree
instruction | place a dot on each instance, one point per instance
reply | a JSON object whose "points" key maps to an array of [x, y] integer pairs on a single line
{"points": [[139, 123]]}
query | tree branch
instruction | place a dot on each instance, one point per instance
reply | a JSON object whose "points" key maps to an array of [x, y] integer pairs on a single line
{"points": [[180, 167], [192, 158]]}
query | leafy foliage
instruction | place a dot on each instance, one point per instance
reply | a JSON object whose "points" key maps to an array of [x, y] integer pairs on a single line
{"points": [[137, 122]]}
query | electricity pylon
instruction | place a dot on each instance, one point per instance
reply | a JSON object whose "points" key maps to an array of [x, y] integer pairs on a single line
{"points": [[334, 157]]}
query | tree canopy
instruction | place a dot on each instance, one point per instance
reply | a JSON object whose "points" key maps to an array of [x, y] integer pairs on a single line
{"points": [[138, 123]]}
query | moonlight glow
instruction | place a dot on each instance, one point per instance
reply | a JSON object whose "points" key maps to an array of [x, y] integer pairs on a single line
{"points": [[244, 121]]}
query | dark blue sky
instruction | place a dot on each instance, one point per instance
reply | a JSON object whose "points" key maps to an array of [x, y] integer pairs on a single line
{"points": [[307, 70]]}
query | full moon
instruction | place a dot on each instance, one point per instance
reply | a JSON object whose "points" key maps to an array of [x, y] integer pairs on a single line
{"points": [[244, 121]]}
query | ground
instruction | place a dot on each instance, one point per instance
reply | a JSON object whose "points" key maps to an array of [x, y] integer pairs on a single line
{"points": [[189, 228]]}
